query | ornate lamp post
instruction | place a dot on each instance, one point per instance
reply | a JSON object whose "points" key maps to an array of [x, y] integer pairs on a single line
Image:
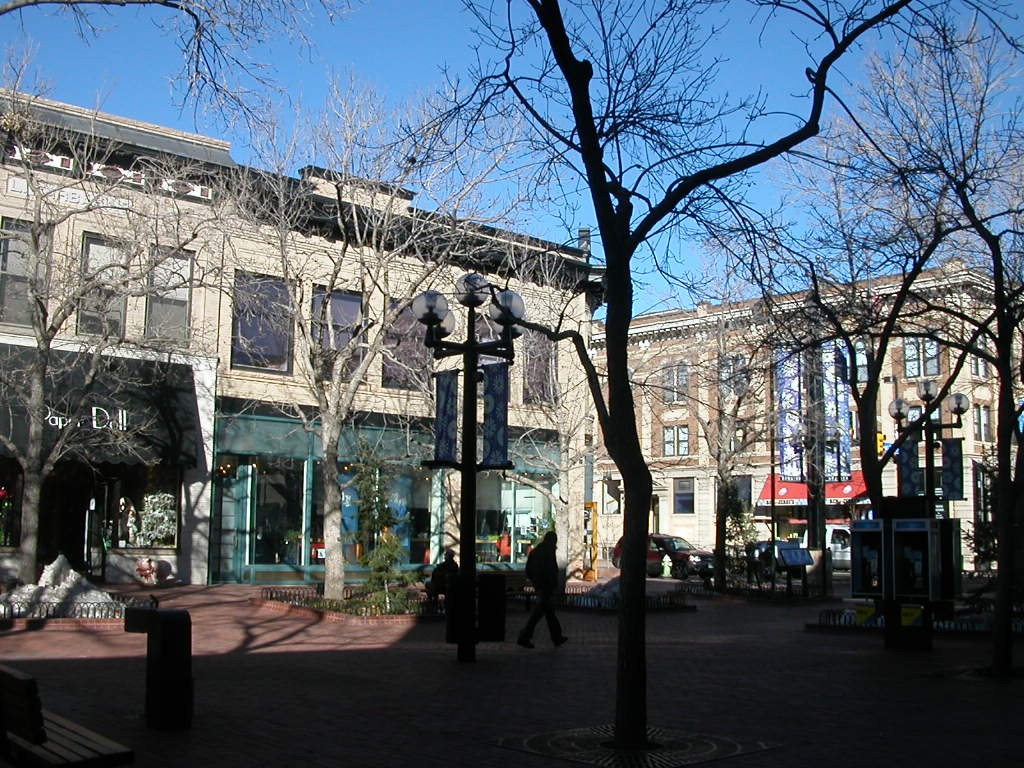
{"points": [[506, 309], [899, 409]]}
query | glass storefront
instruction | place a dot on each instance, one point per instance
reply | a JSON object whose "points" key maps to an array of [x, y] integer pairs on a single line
{"points": [[269, 508], [511, 517]]}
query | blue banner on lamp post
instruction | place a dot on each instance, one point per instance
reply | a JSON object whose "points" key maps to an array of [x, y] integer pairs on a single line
{"points": [[446, 385], [495, 416]]}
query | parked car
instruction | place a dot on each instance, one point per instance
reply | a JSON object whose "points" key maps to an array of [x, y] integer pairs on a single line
{"points": [[686, 558]]}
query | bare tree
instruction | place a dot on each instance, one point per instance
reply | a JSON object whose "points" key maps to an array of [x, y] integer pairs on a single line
{"points": [[622, 97], [77, 303], [917, 211], [217, 40], [344, 251]]}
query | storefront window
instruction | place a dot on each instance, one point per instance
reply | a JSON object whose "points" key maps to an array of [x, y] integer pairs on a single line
{"points": [[10, 515], [278, 486], [510, 518], [142, 509]]}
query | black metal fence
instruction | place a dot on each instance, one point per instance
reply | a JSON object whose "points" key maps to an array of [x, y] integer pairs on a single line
{"points": [[63, 610], [840, 617]]}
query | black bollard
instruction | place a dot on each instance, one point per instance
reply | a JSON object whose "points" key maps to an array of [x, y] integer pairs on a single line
{"points": [[169, 684]]}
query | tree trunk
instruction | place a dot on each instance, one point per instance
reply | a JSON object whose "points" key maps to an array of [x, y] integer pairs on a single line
{"points": [[631, 688], [334, 561], [721, 514], [28, 548]]}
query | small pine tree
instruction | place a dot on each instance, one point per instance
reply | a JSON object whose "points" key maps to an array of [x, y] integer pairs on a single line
{"points": [[383, 552]]}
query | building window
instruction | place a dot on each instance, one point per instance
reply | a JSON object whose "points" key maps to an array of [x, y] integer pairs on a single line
{"points": [[167, 303], [742, 436], [983, 423], [676, 441], [143, 510], [15, 272], [102, 309], [861, 358], [920, 357], [676, 382], [336, 320], [407, 361], [733, 375], [261, 334], [979, 365], [540, 367], [10, 496], [682, 491], [743, 488]]}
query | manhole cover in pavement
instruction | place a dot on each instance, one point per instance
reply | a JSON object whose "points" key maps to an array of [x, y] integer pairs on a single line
{"points": [[673, 748]]}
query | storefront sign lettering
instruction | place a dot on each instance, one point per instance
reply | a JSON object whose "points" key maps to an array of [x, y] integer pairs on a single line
{"points": [[96, 418]]}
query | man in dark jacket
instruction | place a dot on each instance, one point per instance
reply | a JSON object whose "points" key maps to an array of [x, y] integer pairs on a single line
{"points": [[542, 571]]}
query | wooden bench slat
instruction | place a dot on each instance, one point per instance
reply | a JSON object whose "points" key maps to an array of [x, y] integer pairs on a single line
{"points": [[37, 737], [45, 754], [99, 742]]}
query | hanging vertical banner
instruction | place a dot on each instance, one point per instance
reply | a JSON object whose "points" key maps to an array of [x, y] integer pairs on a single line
{"points": [[446, 388], [790, 407], [837, 412], [909, 473], [495, 416], [952, 468]]}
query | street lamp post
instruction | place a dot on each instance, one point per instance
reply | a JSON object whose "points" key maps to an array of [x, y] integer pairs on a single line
{"points": [[431, 309], [899, 410]]}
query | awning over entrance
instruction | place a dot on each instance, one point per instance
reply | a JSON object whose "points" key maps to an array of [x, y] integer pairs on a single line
{"points": [[106, 409], [854, 489], [789, 493]]}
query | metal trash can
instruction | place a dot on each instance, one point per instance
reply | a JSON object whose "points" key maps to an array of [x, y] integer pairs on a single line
{"points": [[169, 684]]}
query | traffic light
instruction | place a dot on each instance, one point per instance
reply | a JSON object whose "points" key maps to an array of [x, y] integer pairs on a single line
{"points": [[880, 443]]}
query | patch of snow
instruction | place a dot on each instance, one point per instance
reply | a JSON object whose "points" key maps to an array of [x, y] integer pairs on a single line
{"points": [[60, 584]]}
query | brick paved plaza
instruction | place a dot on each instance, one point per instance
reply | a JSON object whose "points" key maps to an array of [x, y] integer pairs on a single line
{"points": [[275, 689]]}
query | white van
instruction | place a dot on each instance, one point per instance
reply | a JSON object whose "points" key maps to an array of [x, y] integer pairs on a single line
{"points": [[837, 538]]}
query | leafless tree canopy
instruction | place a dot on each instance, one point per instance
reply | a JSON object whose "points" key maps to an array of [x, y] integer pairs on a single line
{"points": [[217, 40]]}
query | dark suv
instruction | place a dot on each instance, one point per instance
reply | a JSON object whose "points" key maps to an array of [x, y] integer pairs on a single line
{"points": [[686, 558]]}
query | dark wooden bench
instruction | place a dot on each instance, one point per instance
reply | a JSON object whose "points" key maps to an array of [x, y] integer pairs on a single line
{"points": [[30, 735]]}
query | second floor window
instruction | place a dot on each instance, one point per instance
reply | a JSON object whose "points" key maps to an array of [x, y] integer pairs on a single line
{"points": [[540, 366], [15, 272], [336, 319], [733, 375], [676, 441], [407, 362], [167, 303], [983, 423], [261, 334], [676, 382], [861, 359], [920, 357], [102, 310], [979, 365]]}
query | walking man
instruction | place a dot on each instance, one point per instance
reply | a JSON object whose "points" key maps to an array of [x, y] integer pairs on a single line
{"points": [[542, 571]]}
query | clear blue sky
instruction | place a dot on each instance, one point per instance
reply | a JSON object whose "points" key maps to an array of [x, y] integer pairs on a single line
{"points": [[398, 46]]}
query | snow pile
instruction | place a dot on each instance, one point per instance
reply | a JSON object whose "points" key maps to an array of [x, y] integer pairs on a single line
{"points": [[60, 585], [606, 594]]}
